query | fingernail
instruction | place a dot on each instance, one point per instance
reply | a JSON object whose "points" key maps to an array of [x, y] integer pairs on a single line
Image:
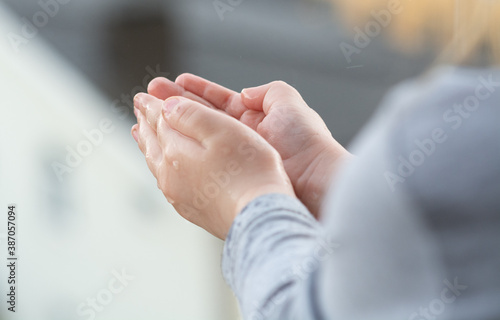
{"points": [[137, 100], [135, 111], [134, 134], [169, 105], [246, 93]]}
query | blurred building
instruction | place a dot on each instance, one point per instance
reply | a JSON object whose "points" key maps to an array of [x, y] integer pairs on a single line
{"points": [[95, 235], [245, 43]]}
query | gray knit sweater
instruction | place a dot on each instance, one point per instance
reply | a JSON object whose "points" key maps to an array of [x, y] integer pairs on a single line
{"points": [[411, 229]]}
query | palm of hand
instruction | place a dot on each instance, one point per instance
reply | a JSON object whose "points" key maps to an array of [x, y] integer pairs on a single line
{"points": [[296, 134], [284, 120]]}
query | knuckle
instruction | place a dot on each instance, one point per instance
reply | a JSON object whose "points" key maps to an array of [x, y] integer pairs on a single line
{"points": [[154, 83], [280, 84], [181, 78], [161, 128], [283, 86], [183, 113]]}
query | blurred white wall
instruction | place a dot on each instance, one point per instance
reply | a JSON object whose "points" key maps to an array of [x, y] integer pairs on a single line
{"points": [[107, 214]]}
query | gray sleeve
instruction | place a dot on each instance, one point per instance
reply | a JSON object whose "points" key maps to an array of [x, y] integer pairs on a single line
{"points": [[270, 257]]}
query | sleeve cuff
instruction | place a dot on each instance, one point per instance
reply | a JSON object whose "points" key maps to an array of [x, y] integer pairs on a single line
{"points": [[252, 221]]}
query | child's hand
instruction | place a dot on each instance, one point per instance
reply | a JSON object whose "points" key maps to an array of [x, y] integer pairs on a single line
{"points": [[208, 165], [279, 114]]}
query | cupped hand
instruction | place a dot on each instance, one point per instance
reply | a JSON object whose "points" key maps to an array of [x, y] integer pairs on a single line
{"points": [[311, 156], [207, 164]]}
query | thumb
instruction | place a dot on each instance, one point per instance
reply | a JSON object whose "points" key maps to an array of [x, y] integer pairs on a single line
{"points": [[272, 95]]}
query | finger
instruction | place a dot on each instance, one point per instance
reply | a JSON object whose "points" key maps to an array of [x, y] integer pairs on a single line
{"points": [[252, 118], [194, 120], [177, 147], [219, 96], [163, 88], [148, 143], [134, 133], [150, 107], [179, 152], [271, 95]]}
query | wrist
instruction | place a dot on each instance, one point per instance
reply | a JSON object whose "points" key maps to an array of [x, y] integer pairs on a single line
{"points": [[253, 194], [321, 171]]}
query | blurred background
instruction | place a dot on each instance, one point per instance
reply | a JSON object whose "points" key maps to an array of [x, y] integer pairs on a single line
{"points": [[96, 239]]}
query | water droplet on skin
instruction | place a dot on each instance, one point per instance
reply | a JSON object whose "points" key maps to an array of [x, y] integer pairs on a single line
{"points": [[175, 163]]}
